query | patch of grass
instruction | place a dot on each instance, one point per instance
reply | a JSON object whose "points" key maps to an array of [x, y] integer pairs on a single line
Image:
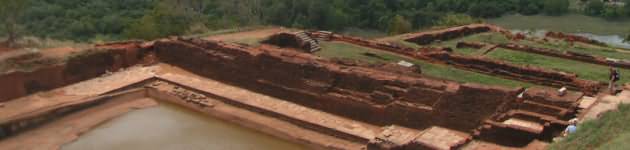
{"points": [[605, 52], [349, 51], [583, 70], [364, 33], [488, 37], [468, 51], [344, 50], [228, 31], [248, 41], [611, 131]]}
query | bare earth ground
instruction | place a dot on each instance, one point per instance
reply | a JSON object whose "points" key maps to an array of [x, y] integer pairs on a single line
{"points": [[606, 103], [481, 145], [59, 52]]}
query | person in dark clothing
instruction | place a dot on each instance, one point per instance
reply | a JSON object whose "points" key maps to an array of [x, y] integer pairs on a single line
{"points": [[614, 77]]}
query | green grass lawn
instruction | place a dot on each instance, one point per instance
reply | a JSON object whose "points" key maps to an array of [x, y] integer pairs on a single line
{"points": [[584, 70], [345, 50], [611, 132], [364, 33], [248, 41]]}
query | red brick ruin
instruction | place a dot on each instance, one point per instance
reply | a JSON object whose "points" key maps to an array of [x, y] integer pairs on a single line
{"points": [[109, 57], [425, 38], [367, 94], [573, 38], [530, 74], [360, 92]]}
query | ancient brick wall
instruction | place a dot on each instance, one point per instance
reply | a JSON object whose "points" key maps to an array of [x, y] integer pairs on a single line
{"points": [[357, 92], [524, 73], [109, 57], [425, 38], [573, 38], [287, 40]]}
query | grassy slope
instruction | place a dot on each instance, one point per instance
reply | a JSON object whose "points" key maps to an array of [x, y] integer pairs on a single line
{"points": [[344, 50], [611, 132], [584, 70]]}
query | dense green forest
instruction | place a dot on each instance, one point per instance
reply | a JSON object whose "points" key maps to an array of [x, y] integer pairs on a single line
{"points": [[85, 20]]}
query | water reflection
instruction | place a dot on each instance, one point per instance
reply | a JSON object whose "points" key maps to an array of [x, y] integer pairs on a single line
{"points": [[170, 127]]}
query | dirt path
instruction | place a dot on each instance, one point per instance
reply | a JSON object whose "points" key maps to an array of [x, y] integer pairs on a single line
{"points": [[606, 103], [59, 52]]}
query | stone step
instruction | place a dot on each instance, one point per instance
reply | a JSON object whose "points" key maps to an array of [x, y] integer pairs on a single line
{"points": [[397, 137], [543, 109], [305, 117], [491, 126], [532, 127], [535, 117]]}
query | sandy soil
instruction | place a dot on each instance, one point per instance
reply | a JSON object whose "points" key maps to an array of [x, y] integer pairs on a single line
{"points": [[606, 103], [59, 52], [67, 129], [481, 145]]}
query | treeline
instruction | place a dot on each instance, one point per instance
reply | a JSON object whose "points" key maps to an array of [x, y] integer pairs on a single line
{"points": [[85, 20], [606, 10]]}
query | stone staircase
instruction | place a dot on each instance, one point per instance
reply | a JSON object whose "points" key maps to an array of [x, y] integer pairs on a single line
{"points": [[322, 35], [529, 117], [314, 44]]}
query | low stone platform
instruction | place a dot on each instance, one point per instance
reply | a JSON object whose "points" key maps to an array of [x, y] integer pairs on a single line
{"points": [[437, 138]]}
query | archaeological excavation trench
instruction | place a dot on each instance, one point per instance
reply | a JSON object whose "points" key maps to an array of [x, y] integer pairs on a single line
{"points": [[293, 95]]}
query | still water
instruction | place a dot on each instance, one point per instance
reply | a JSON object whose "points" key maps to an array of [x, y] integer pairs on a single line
{"points": [[170, 127]]}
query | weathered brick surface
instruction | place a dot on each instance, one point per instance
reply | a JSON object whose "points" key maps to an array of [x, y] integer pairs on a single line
{"points": [[425, 38], [573, 38], [358, 92]]}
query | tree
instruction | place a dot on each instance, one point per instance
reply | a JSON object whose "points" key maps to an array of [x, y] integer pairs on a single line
{"points": [[10, 12], [626, 8], [529, 7], [456, 20], [594, 7], [399, 25], [612, 12], [486, 9], [555, 7]]}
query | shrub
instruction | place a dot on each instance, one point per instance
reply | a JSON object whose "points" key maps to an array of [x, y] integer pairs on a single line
{"points": [[456, 20], [555, 7], [594, 7], [399, 25]]}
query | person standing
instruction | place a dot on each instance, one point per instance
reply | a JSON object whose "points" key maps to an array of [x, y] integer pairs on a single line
{"points": [[614, 77]]}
